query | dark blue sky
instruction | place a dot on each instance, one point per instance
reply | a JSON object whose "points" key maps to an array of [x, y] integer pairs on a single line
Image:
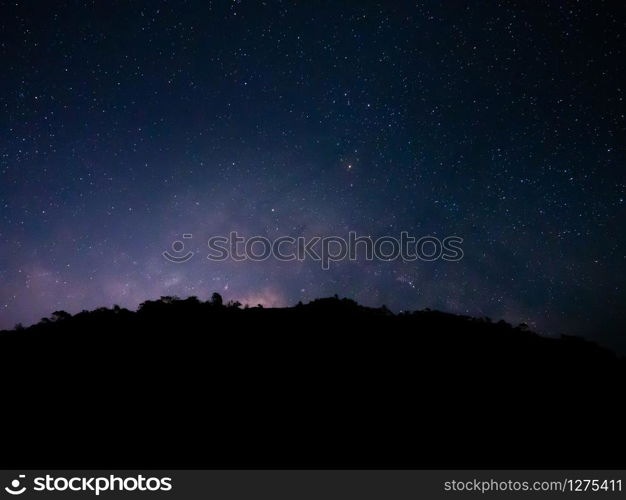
{"points": [[127, 124]]}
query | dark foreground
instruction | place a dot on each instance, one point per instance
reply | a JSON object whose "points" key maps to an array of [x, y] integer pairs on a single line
{"points": [[330, 384]]}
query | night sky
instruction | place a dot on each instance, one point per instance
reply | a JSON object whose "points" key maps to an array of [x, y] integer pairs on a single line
{"points": [[127, 124]]}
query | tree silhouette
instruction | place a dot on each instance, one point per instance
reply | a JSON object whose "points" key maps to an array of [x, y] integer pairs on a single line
{"points": [[295, 381], [216, 300]]}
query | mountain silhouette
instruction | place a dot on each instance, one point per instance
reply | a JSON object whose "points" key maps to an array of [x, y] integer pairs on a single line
{"points": [[186, 383]]}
